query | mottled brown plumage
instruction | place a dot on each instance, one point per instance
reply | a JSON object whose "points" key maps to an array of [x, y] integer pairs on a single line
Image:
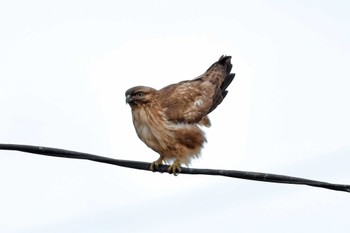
{"points": [[167, 120]]}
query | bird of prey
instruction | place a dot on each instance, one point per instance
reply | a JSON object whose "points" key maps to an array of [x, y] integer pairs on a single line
{"points": [[168, 120]]}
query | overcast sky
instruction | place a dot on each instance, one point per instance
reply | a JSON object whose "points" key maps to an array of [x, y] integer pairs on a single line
{"points": [[64, 69]]}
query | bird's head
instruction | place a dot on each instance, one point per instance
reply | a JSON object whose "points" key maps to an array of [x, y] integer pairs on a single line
{"points": [[139, 95]]}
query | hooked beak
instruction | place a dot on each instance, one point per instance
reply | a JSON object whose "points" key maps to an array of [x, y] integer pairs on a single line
{"points": [[128, 99]]}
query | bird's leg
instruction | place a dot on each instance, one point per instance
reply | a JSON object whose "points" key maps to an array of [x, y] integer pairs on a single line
{"points": [[155, 165], [175, 168]]}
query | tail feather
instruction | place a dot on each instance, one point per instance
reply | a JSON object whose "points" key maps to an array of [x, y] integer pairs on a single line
{"points": [[227, 81], [225, 61]]}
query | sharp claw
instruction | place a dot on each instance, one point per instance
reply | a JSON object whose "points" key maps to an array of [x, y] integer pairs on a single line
{"points": [[152, 167], [175, 168], [155, 165]]}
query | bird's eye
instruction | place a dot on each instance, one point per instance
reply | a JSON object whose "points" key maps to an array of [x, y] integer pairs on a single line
{"points": [[140, 94]]}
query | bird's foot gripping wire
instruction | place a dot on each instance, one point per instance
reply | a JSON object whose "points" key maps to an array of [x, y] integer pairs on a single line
{"points": [[155, 165], [175, 168]]}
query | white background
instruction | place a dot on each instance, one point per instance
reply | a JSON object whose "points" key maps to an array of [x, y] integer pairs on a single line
{"points": [[64, 68]]}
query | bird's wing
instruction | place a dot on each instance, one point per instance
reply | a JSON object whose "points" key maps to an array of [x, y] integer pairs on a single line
{"points": [[187, 102], [190, 101]]}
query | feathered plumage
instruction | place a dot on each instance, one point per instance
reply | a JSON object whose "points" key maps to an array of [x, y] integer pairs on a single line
{"points": [[167, 120]]}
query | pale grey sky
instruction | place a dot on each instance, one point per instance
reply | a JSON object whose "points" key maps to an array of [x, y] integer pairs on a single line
{"points": [[64, 68]]}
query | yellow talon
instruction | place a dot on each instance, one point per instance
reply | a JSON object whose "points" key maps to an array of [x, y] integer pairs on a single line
{"points": [[155, 165], [175, 168]]}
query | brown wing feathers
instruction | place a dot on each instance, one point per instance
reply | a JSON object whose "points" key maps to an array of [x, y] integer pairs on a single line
{"points": [[189, 101]]}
